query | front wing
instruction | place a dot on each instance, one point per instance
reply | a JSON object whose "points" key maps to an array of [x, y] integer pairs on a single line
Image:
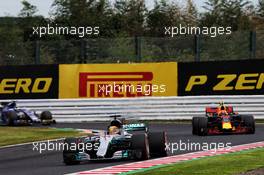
{"points": [[83, 156]]}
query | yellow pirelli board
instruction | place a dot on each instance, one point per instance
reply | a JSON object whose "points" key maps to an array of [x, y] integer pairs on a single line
{"points": [[117, 80]]}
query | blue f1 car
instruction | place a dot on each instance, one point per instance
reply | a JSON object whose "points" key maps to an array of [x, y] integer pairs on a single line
{"points": [[10, 115]]}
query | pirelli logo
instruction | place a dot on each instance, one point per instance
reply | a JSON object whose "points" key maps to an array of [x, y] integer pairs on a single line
{"points": [[29, 82], [221, 78], [117, 80], [228, 82], [115, 84], [25, 85]]}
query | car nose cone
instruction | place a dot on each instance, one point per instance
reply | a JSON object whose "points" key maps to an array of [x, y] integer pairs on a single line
{"points": [[226, 125]]}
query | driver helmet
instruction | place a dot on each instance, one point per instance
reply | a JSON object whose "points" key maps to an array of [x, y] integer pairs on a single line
{"points": [[12, 104], [221, 109], [222, 106], [116, 123], [113, 130]]}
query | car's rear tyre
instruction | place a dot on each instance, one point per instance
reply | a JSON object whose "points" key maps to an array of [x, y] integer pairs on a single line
{"points": [[157, 144], [140, 146], [202, 126], [195, 127], [11, 116], [69, 155], [249, 122], [46, 115]]}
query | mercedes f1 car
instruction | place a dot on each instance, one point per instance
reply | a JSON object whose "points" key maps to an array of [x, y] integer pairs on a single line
{"points": [[10, 115], [222, 120], [121, 140]]}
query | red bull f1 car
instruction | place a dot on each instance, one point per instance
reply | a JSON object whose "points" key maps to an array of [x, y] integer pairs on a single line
{"points": [[119, 141], [222, 120]]}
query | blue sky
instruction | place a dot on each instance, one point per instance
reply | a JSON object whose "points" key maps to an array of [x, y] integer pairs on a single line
{"points": [[12, 7]]}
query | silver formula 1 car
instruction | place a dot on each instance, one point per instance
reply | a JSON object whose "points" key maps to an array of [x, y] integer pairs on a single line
{"points": [[119, 141]]}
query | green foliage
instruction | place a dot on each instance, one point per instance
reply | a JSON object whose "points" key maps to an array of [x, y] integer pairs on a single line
{"points": [[28, 9], [120, 21], [167, 49], [191, 13], [233, 13], [129, 16], [233, 47], [83, 13], [163, 15], [260, 8]]}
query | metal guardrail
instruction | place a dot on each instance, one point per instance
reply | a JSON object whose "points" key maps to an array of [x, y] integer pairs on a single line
{"points": [[144, 108]]}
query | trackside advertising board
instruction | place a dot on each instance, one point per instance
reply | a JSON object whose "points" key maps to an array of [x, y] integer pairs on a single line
{"points": [[29, 82], [132, 80], [221, 78], [117, 80]]}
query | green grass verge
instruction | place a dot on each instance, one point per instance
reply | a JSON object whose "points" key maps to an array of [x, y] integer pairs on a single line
{"points": [[229, 164], [16, 135]]}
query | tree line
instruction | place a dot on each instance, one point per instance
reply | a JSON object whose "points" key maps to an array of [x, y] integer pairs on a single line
{"points": [[127, 19], [132, 17]]}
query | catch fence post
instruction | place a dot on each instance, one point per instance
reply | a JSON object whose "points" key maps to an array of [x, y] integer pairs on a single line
{"points": [[138, 48], [197, 47], [253, 44], [37, 51]]}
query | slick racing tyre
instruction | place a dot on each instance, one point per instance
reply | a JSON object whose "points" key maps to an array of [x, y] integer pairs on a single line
{"points": [[157, 144], [140, 146], [249, 122], [69, 155], [11, 116], [46, 115], [195, 126], [202, 126]]}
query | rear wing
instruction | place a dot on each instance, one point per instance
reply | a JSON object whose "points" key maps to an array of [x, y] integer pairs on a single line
{"points": [[6, 103], [210, 111], [135, 127]]}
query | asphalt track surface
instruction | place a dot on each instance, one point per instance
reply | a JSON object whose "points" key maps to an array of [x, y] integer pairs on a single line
{"points": [[22, 160]]}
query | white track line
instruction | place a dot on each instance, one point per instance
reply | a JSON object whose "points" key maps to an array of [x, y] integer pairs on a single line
{"points": [[30, 143], [52, 140], [123, 168]]}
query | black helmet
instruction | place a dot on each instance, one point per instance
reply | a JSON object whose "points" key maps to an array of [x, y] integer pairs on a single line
{"points": [[12, 104], [222, 105], [116, 123]]}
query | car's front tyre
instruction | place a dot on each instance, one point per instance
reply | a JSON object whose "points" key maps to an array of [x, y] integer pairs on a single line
{"points": [[202, 126], [69, 154], [140, 146], [195, 127], [157, 144], [249, 122], [11, 116], [46, 118]]}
